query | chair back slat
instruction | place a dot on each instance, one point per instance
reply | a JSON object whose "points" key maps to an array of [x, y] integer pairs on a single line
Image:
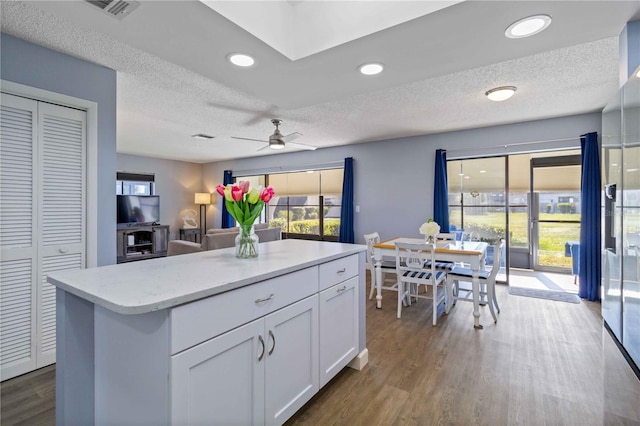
{"points": [[371, 239]]}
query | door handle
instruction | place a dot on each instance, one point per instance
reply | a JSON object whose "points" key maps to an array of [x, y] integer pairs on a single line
{"points": [[261, 340], [274, 342], [63, 250], [343, 288]]}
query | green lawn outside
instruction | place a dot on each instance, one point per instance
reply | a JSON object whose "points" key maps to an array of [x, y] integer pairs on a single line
{"points": [[553, 236]]}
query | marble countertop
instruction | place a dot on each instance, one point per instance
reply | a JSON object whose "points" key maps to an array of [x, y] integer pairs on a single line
{"points": [[155, 284]]}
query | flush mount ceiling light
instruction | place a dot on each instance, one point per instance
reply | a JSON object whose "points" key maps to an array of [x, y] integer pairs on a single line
{"points": [[501, 93], [241, 60], [202, 136], [371, 69], [638, 74], [528, 26]]}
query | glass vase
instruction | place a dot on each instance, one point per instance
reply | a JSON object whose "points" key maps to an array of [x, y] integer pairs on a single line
{"points": [[246, 242]]}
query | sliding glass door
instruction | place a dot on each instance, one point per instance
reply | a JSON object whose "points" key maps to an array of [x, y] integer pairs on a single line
{"points": [[555, 211]]}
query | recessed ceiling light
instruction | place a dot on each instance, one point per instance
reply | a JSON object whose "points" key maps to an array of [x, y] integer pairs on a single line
{"points": [[371, 69], [467, 177], [501, 93], [202, 136], [528, 26], [241, 60], [638, 74], [483, 171]]}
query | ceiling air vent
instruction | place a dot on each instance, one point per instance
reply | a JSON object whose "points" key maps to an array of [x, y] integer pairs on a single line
{"points": [[116, 8]]}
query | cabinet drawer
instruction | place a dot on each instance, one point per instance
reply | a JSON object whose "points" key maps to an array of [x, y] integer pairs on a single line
{"points": [[338, 270], [199, 321]]}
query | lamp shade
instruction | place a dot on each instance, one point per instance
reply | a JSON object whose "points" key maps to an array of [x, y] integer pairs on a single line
{"points": [[202, 198]]}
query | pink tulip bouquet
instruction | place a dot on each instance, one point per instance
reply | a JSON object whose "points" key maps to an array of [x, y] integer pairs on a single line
{"points": [[245, 205]]}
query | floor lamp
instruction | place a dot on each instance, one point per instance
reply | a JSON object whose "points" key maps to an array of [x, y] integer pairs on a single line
{"points": [[204, 199]]}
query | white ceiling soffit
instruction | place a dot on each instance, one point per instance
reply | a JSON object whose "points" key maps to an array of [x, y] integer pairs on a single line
{"points": [[298, 29]]}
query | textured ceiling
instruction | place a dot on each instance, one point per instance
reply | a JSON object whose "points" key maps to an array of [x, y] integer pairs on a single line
{"points": [[174, 81]]}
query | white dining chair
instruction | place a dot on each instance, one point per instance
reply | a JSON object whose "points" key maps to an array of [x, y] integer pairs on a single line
{"points": [[440, 264], [410, 261], [487, 282], [388, 266]]}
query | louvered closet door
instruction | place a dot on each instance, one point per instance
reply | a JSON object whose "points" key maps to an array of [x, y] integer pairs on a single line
{"points": [[61, 139], [18, 245], [42, 223]]}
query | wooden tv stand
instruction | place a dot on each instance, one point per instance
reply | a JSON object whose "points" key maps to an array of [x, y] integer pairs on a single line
{"points": [[142, 242]]}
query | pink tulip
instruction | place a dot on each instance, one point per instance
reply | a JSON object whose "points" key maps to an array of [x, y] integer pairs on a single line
{"points": [[267, 194], [244, 185], [236, 193], [220, 189]]}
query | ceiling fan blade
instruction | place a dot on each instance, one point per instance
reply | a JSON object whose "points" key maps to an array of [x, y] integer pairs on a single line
{"points": [[249, 139], [302, 146], [291, 137], [263, 148]]}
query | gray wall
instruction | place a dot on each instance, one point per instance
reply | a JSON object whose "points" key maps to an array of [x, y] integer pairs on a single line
{"points": [[32, 65], [394, 178], [176, 183]]}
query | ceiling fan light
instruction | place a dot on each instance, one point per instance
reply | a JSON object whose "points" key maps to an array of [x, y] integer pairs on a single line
{"points": [[241, 59], [501, 93], [276, 145], [528, 26]]}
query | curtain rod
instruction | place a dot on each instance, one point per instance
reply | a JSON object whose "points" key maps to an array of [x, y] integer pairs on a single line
{"points": [[506, 146], [283, 169]]}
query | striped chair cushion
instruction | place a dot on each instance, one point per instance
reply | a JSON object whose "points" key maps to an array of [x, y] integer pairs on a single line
{"points": [[466, 272], [421, 275], [443, 266]]}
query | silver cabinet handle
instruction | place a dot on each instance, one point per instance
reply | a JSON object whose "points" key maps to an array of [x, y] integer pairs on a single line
{"points": [[262, 343], [341, 271], [343, 288], [265, 299], [274, 342]]}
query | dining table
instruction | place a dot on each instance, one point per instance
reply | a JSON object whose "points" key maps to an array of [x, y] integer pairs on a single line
{"points": [[472, 253]]}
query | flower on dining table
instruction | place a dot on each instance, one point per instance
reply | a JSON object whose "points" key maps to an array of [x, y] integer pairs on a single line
{"points": [[430, 228], [245, 203]]}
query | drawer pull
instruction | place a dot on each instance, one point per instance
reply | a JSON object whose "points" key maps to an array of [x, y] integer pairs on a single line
{"points": [[265, 299], [341, 271], [274, 342], [343, 288], [262, 343]]}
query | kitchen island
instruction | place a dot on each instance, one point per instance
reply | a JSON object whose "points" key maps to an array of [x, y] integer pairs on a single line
{"points": [[207, 338]]}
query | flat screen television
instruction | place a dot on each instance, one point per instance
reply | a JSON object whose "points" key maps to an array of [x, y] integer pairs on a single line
{"points": [[138, 209]]}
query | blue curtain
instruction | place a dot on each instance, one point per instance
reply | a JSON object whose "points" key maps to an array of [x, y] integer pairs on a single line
{"points": [[346, 211], [590, 272], [227, 219], [441, 192]]}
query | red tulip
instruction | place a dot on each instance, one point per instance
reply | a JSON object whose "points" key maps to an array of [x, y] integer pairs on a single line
{"points": [[267, 194], [236, 193], [220, 189]]}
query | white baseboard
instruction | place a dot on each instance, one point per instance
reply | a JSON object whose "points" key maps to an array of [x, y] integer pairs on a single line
{"points": [[359, 362]]}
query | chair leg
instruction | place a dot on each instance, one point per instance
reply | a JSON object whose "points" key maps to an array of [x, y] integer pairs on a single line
{"points": [[373, 284], [490, 299], [448, 296], [495, 299], [400, 297], [435, 303]]}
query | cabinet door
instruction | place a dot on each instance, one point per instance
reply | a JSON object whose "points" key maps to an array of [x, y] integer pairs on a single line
{"points": [[221, 381], [292, 359], [160, 239], [338, 328]]}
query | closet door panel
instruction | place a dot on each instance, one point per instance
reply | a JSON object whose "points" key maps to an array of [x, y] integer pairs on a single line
{"points": [[62, 152], [18, 295]]}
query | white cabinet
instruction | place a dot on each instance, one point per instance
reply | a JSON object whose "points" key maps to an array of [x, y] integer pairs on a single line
{"points": [[261, 372], [221, 381], [338, 328]]}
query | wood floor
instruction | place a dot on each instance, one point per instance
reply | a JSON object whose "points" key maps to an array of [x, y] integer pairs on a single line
{"points": [[543, 363]]}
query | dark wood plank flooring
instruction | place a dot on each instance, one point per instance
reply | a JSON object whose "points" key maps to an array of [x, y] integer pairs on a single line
{"points": [[543, 363]]}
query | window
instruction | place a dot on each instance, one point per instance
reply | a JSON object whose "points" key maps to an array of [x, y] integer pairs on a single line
{"points": [[135, 184], [306, 205]]}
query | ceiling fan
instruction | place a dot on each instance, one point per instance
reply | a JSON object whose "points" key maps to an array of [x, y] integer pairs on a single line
{"points": [[278, 141]]}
